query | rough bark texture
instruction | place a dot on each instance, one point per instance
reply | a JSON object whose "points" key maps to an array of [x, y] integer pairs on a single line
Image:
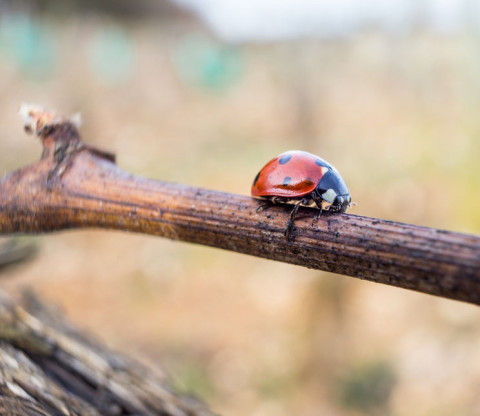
{"points": [[75, 186], [48, 367]]}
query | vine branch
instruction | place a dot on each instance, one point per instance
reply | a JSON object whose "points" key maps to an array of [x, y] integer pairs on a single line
{"points": [[77, 186]]}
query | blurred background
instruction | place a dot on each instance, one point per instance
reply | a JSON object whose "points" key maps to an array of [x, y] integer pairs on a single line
{"points": [[205, 92]]}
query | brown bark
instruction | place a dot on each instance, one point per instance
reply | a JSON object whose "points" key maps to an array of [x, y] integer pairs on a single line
{"points": [[48, 367], [76, 186]]}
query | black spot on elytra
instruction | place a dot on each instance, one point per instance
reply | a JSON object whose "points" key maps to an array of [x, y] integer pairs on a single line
{"points": [[256, 179], [284, 159], [286, 180]]}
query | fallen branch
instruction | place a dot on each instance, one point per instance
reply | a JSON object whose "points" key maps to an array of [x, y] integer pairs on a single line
{"points": [[48, 367], [75, 186]]}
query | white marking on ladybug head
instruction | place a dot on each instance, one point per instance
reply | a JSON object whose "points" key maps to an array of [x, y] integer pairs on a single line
{"points": [[329, 196]]}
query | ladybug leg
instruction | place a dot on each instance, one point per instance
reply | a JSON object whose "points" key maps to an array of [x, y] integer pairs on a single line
{"points": [[318, 214], [289, 228], [318, 201], [331, 208], [263, 207], [269, 203]]}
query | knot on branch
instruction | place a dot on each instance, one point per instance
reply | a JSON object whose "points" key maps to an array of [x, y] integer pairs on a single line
{"points": [[60, 138], [45, 123]]}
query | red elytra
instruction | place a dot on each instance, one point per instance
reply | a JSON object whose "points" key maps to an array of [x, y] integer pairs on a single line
{"points": [[291, 175], [301, 176]]}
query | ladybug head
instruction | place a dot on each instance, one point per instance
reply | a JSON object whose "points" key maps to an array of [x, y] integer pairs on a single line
{"points": [[341, 203], [332, 189]]}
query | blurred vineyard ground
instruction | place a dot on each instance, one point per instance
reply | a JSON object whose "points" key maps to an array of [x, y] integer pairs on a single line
{"points": [[397, 115]]}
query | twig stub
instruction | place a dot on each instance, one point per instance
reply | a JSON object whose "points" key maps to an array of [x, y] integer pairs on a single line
{"points": [[60, 138]]}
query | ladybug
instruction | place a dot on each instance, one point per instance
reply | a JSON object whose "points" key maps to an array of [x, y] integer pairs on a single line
{"points": [[303, 178]]}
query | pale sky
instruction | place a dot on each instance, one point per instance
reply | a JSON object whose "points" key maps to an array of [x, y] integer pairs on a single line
{"points": [[277, 19]]}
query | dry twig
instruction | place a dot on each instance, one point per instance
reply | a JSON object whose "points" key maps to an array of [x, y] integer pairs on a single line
{"points": [[75, 185]]}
